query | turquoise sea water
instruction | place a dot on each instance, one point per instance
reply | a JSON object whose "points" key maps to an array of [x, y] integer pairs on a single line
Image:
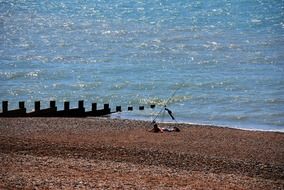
{"points": [[226, 57]]}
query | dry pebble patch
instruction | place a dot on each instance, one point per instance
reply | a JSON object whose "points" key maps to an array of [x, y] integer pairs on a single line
{"points": [[70, 173], [84, 153]]}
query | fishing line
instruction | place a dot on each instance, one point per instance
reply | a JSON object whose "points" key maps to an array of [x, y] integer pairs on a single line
{"points": [[165, 105]]}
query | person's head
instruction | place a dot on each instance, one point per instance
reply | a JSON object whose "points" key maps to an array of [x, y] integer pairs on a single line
{"points": [[155, 125], [176, 129]]}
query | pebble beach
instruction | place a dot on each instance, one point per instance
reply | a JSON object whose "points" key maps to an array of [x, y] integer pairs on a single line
{"points": [[104, 153]]}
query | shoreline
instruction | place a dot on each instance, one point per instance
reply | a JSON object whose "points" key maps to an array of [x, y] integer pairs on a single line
{"points": [[110, 153], [248, 128]]}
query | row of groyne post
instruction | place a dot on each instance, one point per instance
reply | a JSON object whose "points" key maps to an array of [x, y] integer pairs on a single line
{"points": [[52, 111]]}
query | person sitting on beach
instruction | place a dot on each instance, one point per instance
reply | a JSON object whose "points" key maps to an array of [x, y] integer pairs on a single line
{"points": [[156, 129]]}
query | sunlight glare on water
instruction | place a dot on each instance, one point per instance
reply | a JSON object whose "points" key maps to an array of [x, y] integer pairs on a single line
{"points": [[226, 57]]}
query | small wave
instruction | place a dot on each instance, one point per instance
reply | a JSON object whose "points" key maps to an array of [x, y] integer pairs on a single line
{"points": [[255, 20], [114, 32], [155, 100], [33, 74], [275, 101], [118, 86], [161, 102], [213, 45], [38, 58], [20, 74]]}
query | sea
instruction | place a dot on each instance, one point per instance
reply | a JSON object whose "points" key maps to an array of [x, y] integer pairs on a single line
{"points": [[211, 62]]}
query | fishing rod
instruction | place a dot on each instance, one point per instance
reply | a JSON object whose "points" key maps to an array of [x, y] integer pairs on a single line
{"points": [[165, 105]]}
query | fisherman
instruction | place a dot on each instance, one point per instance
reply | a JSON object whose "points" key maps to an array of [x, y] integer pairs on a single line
{"points": [[156, 129]]}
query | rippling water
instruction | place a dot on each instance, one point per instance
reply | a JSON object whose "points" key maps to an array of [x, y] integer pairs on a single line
{"points": [[225, 57]]}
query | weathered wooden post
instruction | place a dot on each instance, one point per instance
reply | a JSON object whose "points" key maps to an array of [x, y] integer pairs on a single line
{"points": [[66, 106], [52, 108], [81, 104], [52, 104], [130, 108], [4, 106], [81, 110], [118, 108], [94, 107], [106, 109], [22, 109], [22, 105], [37, 106], [106, 106]]}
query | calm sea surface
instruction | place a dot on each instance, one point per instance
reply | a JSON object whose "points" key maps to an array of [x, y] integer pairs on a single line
{"points": [[225, 57]]}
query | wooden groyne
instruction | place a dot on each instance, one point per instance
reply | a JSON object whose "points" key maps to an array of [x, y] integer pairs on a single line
{"points": [[52, 111]]}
